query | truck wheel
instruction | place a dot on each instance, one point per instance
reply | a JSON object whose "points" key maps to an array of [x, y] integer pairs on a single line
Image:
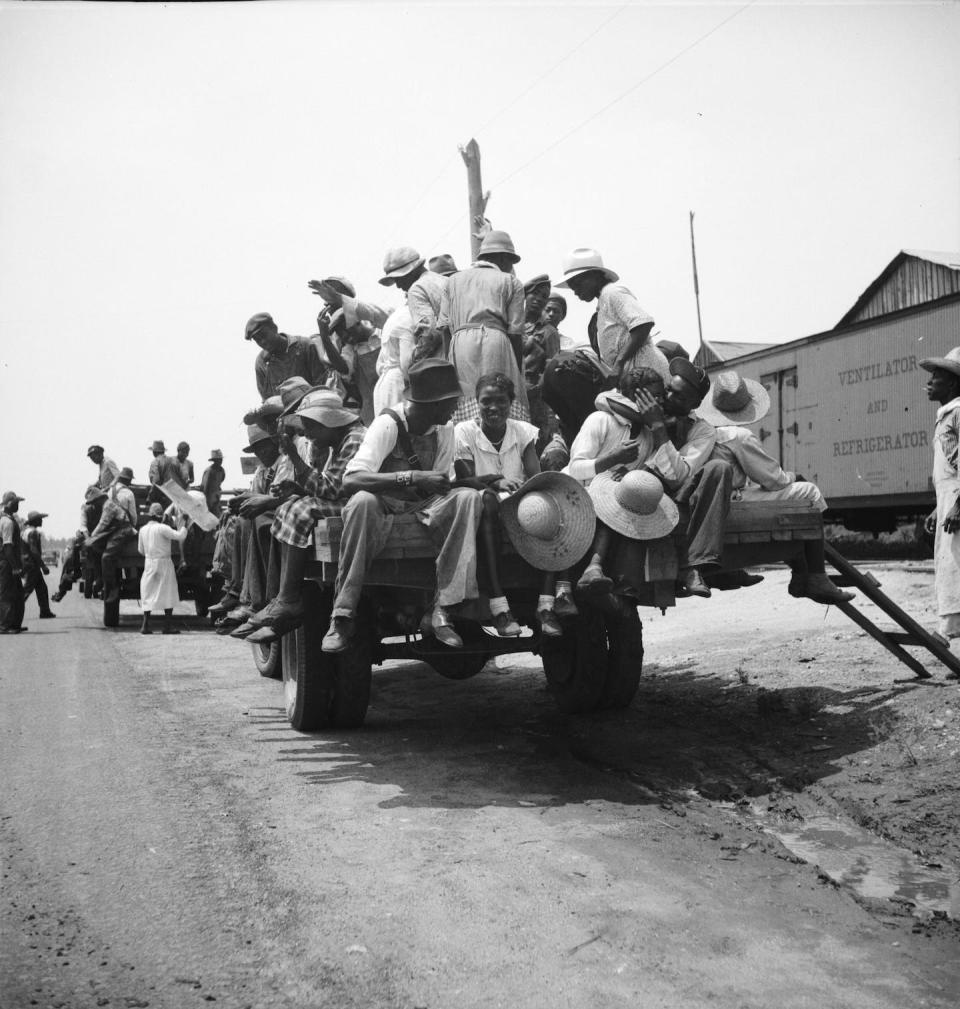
{"points": [[327, 690], [111, 612], [267, 658], [576, 664], [625, 661]]}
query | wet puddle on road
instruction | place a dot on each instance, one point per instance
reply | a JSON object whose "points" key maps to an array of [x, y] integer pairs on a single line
{"points": [[869, 865]]}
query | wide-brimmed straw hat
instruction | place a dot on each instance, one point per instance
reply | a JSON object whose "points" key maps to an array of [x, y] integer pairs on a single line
{"points": [[634, 505], [257, 433], [398, 263], [949, 363], [498, 241], [326, 407], [734, 400], [550, 521], [432, 380], [292, 391], [216, 455], [584, 261]]}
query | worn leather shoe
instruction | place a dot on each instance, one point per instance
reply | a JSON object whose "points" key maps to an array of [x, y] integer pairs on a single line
{"points": [[226, 604], [692, 584], [820, 589], [505, 624], [443, 629], [337, 638], [549, 625], [594, 582]]}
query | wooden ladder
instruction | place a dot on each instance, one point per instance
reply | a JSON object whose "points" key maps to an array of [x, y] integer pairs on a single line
{"points": [[911, 634]]}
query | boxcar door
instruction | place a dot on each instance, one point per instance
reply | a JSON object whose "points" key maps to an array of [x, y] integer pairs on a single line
{"points": [[768, 430], [789, 425]]}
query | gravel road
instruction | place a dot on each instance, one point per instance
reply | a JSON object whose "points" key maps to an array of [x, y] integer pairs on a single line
{"points": [[169, 841]]}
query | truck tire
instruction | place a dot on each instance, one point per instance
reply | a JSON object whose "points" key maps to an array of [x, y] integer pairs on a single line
{"points": [[111, 612], [625, 659], [327, 691], [268, 658], [576, 664]]}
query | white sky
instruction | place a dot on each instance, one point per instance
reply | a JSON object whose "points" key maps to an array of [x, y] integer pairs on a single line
{"points": [[167, 171]]}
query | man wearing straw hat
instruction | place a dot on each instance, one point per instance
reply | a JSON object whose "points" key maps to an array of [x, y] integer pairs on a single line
{"points": [[405, 465], [735, 402], [404, 267], [481, 318], [943, 388]]}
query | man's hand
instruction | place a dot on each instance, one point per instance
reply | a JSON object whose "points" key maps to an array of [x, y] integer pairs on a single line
{"points": [[431, 481], [627, 453], [329, 294], [503, 484], [930, 523], [951, 523], [256, 505], [287, 445], [651, 412], [287, 488]]}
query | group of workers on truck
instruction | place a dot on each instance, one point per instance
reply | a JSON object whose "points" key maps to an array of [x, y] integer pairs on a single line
{"points": [[485, 421]]}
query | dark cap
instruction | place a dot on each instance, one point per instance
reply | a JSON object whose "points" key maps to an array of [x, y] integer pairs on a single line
{"points": [[34, 517], [442, 264], [94, 448], [257, 324], [690, 373], [540, 280], [10, 496], [671, 350], [432, 380]]}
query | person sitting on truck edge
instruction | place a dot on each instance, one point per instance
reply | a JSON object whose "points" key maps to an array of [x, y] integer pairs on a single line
{"points": [[613, 438], [335, 434], [118, 524], [264, 444], [281, 356], [34, 567], [734, 403], [680, 459], [158, 583], [11, 566], [943, 387], [406, 465], [108, 468], [496, 455], [261, 572], [183, 466]]}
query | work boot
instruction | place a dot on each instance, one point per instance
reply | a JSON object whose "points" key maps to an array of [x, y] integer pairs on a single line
{"points": [[226, 604], [337, 638], [57, 596], [564, 606], [692, 584]]}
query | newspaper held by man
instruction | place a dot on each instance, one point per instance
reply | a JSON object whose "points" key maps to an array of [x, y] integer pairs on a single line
{"points": [[195, 508]]}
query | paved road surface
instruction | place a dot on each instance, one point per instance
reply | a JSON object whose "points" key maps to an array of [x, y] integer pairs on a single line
{"points": [[168, 841]]}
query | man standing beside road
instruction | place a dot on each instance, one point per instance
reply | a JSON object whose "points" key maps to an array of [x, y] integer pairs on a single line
{"points": [[11, 566], [34, 567], [108, 468]]}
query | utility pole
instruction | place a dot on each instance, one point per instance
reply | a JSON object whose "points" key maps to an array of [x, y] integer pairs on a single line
{"points": [[696, 285], [477, 198]]}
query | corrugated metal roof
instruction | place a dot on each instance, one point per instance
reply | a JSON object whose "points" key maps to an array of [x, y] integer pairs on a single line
{"points": [[910, 285], [715, 351]]}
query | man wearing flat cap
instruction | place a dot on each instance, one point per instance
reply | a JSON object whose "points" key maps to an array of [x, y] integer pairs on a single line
{"points": [[481, 318], [107, 467], [34, 567], [281, 356], [11, 566], [405, 268], [405, 465]]}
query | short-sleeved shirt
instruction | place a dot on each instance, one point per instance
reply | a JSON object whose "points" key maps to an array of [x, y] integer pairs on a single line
{"points": [[300, 359], [618, 311], [424, 298], [474, 446]]}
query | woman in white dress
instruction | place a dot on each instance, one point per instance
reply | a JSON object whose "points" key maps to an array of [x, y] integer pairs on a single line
{"points": [[397, 345], [158, 585]]}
